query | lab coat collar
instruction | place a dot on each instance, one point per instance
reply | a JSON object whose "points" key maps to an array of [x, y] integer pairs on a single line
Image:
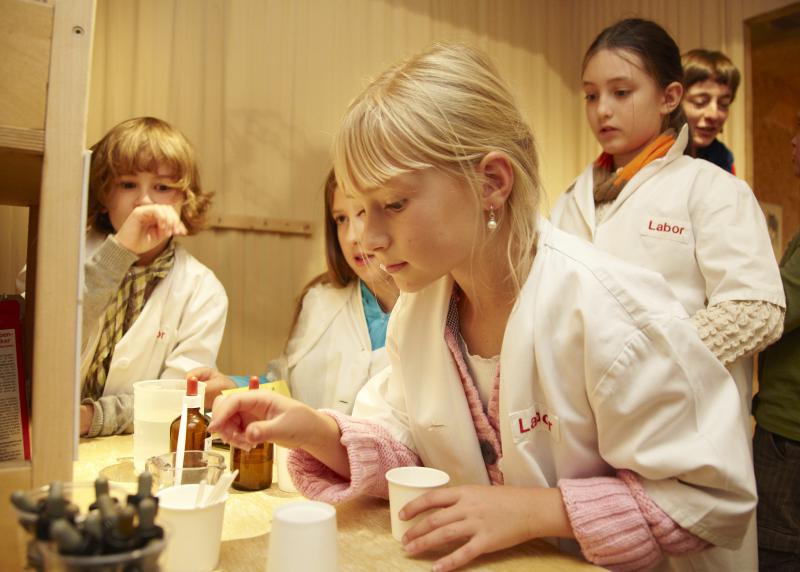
{"points": [[584, 195], [335, 301]]}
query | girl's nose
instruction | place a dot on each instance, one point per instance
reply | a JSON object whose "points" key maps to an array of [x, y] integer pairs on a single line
{"points": [[373, 237], [603, 109], [355, 229]]}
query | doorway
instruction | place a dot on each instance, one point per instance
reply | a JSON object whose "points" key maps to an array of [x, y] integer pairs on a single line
{"points": [[772, 53]]}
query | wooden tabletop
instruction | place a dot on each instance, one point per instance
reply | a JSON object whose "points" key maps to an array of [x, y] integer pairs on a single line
{"points": [[365, 540]]}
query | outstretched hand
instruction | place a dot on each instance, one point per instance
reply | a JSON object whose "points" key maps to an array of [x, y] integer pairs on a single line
{"points": [[486, 519], [251, 417], [149, 225]]}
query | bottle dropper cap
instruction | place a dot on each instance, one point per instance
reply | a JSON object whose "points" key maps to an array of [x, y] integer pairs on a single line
{"points": [[254, 382], [192, 400]]}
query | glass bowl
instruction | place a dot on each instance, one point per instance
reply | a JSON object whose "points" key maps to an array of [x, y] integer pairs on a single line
{"points": [[197, 465], [143, 559], [79, 494]]}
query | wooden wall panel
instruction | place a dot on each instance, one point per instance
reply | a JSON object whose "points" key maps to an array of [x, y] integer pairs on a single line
{"points": [[259, 86]]}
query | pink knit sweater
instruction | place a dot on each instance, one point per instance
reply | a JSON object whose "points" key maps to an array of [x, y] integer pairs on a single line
{"points": [[616, 524]]}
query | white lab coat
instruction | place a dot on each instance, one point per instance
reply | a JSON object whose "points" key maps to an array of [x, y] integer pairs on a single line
{"points": [[330, 355], [605, 351], [697, 225], [180, 328]]}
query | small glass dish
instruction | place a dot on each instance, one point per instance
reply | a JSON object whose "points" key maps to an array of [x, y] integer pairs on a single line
{"points": [[143, 559], [197, 465]]}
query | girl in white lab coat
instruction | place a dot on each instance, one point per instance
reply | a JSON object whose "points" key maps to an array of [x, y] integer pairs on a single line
{"points": [[151, 310], [520, 356], [338, 337], [647, 202]]}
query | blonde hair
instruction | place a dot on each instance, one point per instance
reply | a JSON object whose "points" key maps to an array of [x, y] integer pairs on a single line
{"points": [[145, 144], [443, 109]]}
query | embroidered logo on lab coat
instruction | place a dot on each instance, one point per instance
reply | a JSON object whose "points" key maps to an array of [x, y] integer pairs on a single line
{"points": [[534, 419], [666, 228]]}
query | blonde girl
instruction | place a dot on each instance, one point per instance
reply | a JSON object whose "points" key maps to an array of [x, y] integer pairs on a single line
{"points": [[549, 380]]}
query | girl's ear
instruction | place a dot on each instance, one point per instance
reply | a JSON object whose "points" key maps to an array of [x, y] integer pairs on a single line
{"points": [[673, 94], [498, 179]]}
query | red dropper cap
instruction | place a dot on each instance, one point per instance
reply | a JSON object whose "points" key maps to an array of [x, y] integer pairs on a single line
{"points": [[254, 382], [191, 386]]}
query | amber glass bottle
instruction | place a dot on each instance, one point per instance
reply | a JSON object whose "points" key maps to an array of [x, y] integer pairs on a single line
{"points": [[255, 465], [197, 436]]}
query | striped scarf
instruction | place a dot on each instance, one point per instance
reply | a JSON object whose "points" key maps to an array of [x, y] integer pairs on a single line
{"points": [[609, 183], [121, 313]]}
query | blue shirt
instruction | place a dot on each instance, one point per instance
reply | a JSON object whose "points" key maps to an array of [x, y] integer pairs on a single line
{"points": [[377, 319]]}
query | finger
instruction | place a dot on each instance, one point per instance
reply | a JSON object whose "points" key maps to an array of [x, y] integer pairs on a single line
{"points": [[224, 410], [260, 431], [460, 557], [431, 522], [439, 498], [250, 405], [438, 537]]}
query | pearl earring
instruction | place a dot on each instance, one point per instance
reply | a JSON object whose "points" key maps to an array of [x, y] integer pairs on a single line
{"points": [[492, 223]]}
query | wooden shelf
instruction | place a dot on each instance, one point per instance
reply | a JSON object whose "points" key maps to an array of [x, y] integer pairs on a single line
{"points": [[44, 71]]}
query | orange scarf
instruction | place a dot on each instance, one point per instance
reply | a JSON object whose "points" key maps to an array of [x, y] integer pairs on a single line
{"points": [[608, 184]]}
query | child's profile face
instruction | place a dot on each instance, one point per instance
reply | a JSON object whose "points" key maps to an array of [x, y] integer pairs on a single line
{"points": [[130, 191], [420, 227], [348, 214], [623, 103], [706, 105]]}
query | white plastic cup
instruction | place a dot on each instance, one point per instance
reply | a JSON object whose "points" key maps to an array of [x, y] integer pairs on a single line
{"points": [[406, 484], [195, 533], [284, 479], [156, 403], [303, 537]]}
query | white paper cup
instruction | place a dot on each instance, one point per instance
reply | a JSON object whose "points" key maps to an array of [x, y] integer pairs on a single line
{"points": [[156, 403], [406, 484], [196, 533], [303, 537], [284, 479]]}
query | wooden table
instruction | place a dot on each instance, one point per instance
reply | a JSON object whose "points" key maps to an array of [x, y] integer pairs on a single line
{"points": [[365, 540]]}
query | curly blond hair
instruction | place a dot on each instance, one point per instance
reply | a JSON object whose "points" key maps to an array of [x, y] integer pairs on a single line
{"points": [[145, 144]]}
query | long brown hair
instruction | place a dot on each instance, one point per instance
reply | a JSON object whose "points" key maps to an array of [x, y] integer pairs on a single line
{"points": [[339, 274]]}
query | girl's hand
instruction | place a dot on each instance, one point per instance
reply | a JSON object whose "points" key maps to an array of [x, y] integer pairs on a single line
{"points": [[251, 417], [149, 225], [486, 518]]}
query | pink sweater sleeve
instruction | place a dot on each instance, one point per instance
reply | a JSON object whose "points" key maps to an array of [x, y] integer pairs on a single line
{"points": [[619, 527], [371, 451]]}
